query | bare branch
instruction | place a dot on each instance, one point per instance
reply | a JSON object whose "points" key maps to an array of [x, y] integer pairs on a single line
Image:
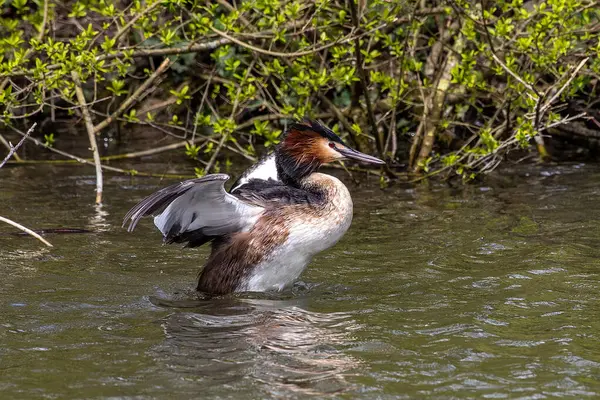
{"points": [[135, 96], [89, 125], [547, 105], [517, 77], [26, 230], [343, 40], [133, 20], [131, 172], [364, 81], [233, 111], [13, 149]]}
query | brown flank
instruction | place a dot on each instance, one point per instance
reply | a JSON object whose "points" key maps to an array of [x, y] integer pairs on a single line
{"points": [[230, 262]]}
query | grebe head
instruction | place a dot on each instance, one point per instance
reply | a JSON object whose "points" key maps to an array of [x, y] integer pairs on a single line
{"points": [[308, 145]]}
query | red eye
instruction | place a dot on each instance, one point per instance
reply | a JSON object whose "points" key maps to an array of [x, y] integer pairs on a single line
{"points": [[332, 145]]}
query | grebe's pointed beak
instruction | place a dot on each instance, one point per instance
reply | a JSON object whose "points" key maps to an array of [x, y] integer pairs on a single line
{"points": [[358, 156]]}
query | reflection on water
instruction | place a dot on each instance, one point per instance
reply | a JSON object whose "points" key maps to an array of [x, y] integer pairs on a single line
{"points": [[480, 291], [98, 222], [275, 343]]}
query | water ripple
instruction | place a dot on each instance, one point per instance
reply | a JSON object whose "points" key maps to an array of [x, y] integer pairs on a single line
{"points": [[285, 347]]}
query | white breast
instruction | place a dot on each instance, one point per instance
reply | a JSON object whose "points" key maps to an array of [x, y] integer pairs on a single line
{"points": [[307, 237]]}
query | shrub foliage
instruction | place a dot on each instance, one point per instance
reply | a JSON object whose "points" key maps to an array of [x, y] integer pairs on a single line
{"points": [[437, 86]]}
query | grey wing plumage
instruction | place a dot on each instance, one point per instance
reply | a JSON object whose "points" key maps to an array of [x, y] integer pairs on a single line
{"points": [[194, 210]]}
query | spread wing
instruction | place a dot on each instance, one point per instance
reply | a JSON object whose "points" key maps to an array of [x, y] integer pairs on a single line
{"points": [[195, 211]]}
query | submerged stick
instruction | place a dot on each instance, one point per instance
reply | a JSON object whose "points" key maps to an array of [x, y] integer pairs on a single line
{"points": [[26, 230], [13, 149], [91, 135]]}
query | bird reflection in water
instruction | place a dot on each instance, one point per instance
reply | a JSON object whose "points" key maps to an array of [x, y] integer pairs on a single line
{"points": [[282, 347]]}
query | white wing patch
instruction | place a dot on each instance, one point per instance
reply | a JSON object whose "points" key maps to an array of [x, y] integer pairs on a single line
{"points": [[265, 170]]}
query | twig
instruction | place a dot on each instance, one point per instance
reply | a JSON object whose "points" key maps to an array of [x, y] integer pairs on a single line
{"points": [[517, 77], [364, 82], [434, 104], [392, 129], [134, 97], [131, 172], [153, 151], [210, 139], [91, 135], [233, 111], [211, 45], [204, 95], [558, 93], [8, 147], [167, 51], [564, 121], [539, 140], [430, 71], [276, 116], [44, 22], [133, 20], [341, 117], [26, 230], [13, 149], [279, 54], [231, 8]]}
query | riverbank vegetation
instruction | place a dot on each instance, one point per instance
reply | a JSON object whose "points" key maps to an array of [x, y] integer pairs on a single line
{"points": [[452, 87]]}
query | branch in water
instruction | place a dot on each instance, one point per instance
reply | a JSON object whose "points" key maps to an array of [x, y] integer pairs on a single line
{"points": [[26, 230], [91, 135]]}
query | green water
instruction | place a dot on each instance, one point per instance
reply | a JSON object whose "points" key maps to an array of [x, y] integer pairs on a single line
{"points": [[485, 291]]}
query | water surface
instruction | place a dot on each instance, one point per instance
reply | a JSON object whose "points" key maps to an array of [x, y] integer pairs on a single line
{"points": [[484, 291]]}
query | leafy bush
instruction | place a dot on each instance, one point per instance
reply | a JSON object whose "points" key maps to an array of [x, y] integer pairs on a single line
{"points": [[450, 86]]}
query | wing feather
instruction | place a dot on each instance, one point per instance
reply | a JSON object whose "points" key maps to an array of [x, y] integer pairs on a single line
{"points": [[196, 208]]}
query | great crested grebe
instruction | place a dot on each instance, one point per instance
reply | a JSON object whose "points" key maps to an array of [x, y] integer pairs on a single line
{"points": [[279, 214]]}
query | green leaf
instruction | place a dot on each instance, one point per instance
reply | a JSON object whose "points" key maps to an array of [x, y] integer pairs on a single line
{"points": [[117, 87]]}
